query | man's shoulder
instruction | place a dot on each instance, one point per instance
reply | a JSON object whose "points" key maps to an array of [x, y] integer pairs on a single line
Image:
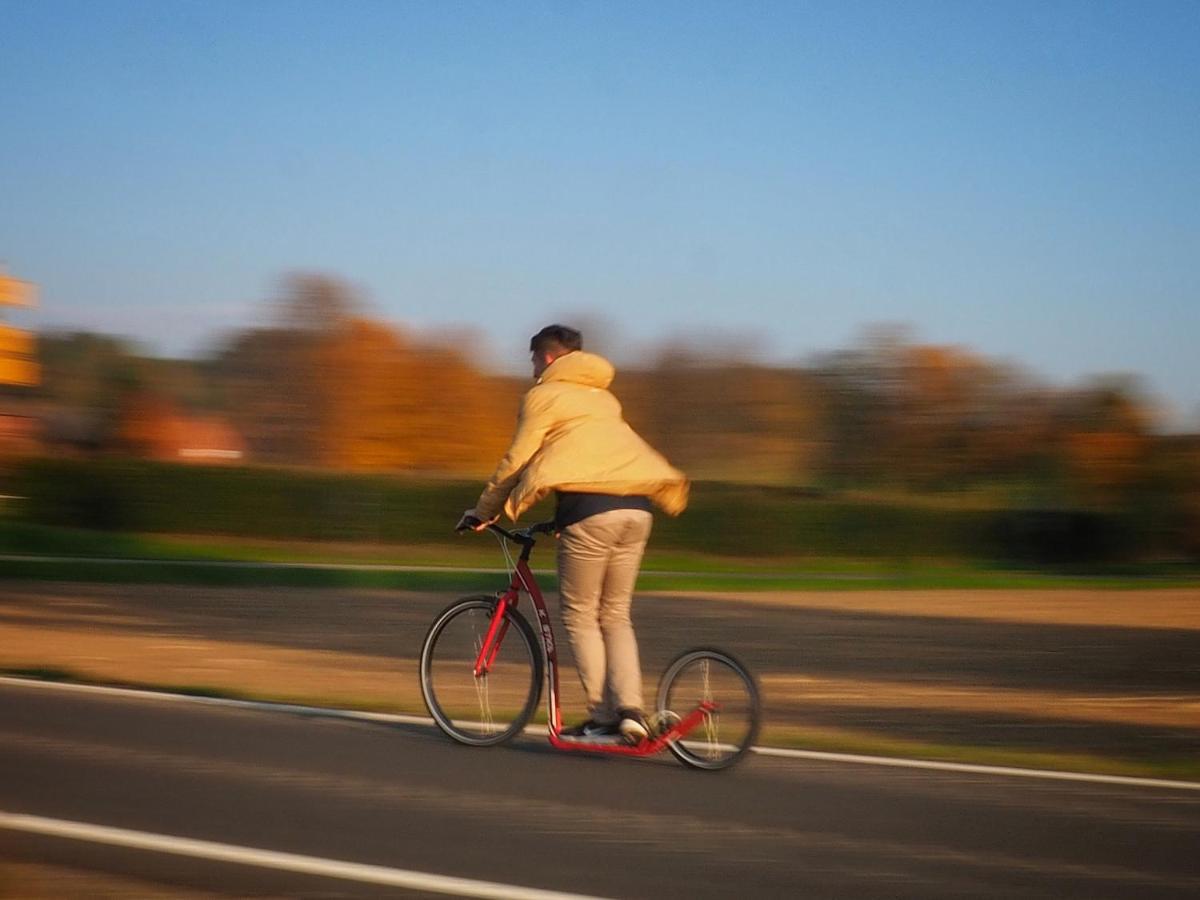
{"points": [[541, 389], [545, 390], [539, 397], [546, 396]]}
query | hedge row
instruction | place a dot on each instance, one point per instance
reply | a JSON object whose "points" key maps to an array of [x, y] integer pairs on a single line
{"points": [[118, 495]]}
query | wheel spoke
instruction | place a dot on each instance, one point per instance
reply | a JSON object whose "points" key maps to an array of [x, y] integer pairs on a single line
{"points": [[481, 692], [710, 716]]}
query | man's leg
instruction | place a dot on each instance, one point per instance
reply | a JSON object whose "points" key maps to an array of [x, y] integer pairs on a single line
{"points": [[631, 530], [583, 553]]}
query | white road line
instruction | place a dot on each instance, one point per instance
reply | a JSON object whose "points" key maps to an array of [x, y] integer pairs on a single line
{"points": [[262, 705], [270, 859], [901, 762], [781, 752]]}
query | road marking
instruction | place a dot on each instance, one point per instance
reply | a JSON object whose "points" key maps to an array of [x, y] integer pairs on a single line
{"points": [[270, 859], [780, 752], [901, 762], [260, 705]]}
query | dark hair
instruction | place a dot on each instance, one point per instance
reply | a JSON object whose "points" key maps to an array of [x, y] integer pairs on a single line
{"points": [[556, 337]]}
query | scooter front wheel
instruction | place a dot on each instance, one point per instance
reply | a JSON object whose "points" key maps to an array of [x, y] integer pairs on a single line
{"points": [[490, 708]]}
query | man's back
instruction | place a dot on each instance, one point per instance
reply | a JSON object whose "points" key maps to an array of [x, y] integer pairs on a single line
{"points": [[571, 437]]}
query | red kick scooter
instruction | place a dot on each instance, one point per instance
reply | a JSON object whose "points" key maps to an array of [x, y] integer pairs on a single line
{"points": [[482, 667]]}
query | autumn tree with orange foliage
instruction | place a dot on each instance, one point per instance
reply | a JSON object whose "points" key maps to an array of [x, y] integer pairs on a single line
{"points": [[393, 404], [1105, 440], [329, 386]]}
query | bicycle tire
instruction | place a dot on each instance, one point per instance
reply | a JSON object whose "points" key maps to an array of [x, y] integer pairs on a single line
{"points": [[709, 674], [490, 709]]}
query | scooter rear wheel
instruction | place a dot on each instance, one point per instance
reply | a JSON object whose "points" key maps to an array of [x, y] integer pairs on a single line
{"points": [[726, 733]]}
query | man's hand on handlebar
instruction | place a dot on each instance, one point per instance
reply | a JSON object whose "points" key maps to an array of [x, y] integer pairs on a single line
{"points": [[470, 521]]}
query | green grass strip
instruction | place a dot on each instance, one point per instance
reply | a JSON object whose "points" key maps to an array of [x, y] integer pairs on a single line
{"points": [[218, 574]]}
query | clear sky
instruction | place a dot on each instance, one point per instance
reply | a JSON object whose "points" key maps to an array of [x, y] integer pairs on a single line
{"points": [[1019, 177]]}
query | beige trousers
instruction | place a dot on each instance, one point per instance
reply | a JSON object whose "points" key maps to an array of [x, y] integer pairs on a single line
{"points": [[598, 562]]}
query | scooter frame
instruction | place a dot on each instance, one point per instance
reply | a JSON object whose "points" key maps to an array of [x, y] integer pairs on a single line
{"points": [[523, 580]]}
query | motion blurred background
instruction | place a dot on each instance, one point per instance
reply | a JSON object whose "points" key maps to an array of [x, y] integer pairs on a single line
{"points": [[913, 282]]}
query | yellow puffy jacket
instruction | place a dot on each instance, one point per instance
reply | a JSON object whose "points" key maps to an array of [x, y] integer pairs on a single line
{"points": [[571, 437]]}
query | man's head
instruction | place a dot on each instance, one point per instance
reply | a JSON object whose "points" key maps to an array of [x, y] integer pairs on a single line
{"points": [[550, 343]]}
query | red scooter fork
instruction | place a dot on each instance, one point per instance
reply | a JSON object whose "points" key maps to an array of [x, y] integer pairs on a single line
{"points": [[491, 641], [691, 720]]}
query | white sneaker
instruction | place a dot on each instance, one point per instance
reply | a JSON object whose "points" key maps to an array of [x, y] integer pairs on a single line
{"points": [[632, 727]]}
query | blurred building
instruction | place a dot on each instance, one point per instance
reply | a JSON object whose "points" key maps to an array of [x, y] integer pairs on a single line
{"points": [[208, 440], [18, 365], [20, 434], [19, 430], [151, 427]]}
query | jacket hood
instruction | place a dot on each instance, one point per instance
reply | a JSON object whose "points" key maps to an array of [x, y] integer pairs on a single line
{"points": [[580, 367]]}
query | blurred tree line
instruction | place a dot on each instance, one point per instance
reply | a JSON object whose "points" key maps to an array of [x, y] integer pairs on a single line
{"points": [[321, 385], [325, 385]]}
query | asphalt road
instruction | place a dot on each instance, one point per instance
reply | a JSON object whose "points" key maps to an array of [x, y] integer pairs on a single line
{"points": [[1098, 680], [405, 797]]}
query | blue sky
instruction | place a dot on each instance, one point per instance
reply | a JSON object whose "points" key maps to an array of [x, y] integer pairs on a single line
{"points": [[1018, 177]]}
